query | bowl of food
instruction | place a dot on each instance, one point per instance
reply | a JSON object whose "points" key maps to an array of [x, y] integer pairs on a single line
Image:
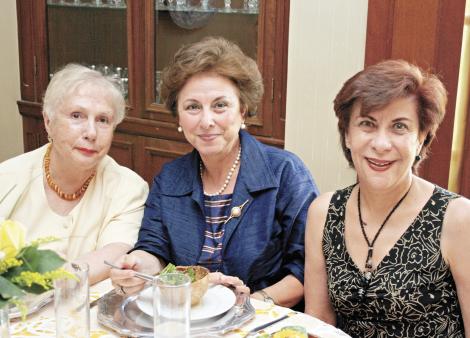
{"points": [[199, 276]]}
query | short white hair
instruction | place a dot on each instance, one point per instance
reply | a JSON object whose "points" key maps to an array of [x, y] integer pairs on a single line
{"points": [[71, 77]]}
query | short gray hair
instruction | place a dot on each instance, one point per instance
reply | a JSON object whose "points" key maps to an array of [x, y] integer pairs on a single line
{"points": [[71, 77]]}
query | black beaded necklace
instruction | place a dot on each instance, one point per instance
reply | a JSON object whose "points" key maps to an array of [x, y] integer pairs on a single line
{"points": [[370, 252]]}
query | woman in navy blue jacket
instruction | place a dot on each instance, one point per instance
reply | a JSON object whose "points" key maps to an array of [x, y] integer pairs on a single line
{"points": [[233, 205]]}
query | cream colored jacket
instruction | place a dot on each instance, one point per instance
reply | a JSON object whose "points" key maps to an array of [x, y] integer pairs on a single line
{"points": [[111, 209]]}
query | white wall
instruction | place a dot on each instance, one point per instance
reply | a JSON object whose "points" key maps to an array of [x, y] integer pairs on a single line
{"points": [[11, 140], [326, 47]]}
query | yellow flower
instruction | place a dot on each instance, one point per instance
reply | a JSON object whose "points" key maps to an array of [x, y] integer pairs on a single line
{"points": [[12, 238], [9, 263]]}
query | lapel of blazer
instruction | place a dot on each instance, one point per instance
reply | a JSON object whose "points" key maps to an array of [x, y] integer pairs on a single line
{"points": [[241, 199], [255, 175], [197, 196]]}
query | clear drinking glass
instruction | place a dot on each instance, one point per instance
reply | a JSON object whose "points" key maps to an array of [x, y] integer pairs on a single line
{"points": [[180, 3], [171, 305], [72, 303], [252, 5], [4, 322], [205, 4]]}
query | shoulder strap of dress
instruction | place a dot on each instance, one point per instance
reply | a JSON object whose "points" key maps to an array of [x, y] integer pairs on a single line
{"points": [[337, 206], [341, 196], [441, 197], [438, 205]]}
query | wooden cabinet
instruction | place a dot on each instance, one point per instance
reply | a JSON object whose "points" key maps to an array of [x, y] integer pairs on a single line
{"points": [[134, 40]]}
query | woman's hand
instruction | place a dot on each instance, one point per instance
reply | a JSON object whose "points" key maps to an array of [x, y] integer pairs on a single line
{"points": [[141, 261], [237, 283]]}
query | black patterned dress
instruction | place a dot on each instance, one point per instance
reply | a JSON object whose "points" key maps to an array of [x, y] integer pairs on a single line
{"points": [[410, 294]]}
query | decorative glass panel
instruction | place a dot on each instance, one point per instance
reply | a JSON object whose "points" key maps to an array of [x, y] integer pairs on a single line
{"points": [[180, 22], [88, 32]]}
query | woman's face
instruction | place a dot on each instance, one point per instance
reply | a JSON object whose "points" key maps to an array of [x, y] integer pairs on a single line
{"points": [[209, 113], [82, 127], [385, 142]]}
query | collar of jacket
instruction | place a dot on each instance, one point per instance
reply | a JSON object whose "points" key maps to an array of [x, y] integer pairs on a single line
{"points": [[255, 171]]}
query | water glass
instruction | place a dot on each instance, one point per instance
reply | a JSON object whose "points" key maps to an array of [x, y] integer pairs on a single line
{"points": [[171, 305], [205, 4], [180, 3], [227, 4], [252, 5], [4, 322], [72, 303]]}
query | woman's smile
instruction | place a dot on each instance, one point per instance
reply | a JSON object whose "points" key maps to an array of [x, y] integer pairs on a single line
{"points": [[208, 137], [379, 165], [210, 115]]}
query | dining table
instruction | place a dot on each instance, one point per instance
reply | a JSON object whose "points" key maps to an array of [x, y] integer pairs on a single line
{"points": [[41, 323]]}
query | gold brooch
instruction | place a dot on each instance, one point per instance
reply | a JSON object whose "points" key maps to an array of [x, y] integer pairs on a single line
{"points": [[236, 211]]}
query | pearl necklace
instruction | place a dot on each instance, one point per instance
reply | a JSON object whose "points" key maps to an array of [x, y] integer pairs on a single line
{"points": [[55, 187], [229, 175]]}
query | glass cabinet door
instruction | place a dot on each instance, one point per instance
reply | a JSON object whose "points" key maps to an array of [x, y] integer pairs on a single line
{"points": [[178, 22], [88, 32]]}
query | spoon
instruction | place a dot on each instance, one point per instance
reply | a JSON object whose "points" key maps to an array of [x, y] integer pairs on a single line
{"points": [[140, 275]]}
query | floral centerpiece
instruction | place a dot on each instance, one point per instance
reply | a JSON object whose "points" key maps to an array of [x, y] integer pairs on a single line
{"points": [[24, 268]]}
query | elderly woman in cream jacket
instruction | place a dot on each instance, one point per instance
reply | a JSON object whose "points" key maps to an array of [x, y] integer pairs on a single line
{"points": [[70, 188]]}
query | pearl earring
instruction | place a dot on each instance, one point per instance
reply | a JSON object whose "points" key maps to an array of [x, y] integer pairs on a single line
{"points": [[180, 129], [243, 125]]}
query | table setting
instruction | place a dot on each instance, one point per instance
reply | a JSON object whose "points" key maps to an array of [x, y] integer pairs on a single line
{"points": [[42, 295], [114, 315]]}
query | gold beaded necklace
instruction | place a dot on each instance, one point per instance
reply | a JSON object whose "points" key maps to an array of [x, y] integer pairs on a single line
{"points": [[55, 187]]}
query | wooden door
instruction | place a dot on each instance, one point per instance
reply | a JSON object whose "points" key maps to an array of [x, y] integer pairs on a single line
{"points": [[429, 34]]}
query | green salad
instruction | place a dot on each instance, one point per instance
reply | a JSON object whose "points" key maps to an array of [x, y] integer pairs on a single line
{"points": [[170, 268]]}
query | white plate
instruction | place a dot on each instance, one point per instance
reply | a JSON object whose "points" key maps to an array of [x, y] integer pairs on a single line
{"points": [[217, 300], [33, 303]]}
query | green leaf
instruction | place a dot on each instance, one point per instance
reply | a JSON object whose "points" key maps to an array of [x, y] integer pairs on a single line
{"points": [[170, 268], [40, 260], [36, 289], [9, 290]]}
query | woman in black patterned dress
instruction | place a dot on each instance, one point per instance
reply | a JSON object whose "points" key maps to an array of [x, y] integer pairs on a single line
{"points": [[389, 256]]}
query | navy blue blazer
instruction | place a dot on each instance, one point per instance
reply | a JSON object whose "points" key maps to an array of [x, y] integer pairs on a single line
{"points": [[264, 244]]}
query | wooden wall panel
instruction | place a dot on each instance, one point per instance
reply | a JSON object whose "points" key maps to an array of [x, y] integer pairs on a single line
{"points": [[429, 34], [414, 33], [34, 133], [154, 153], [123, 149]]}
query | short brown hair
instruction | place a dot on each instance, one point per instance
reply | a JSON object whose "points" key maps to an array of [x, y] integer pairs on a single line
{"points": [[377, 86], [214, 55]]}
